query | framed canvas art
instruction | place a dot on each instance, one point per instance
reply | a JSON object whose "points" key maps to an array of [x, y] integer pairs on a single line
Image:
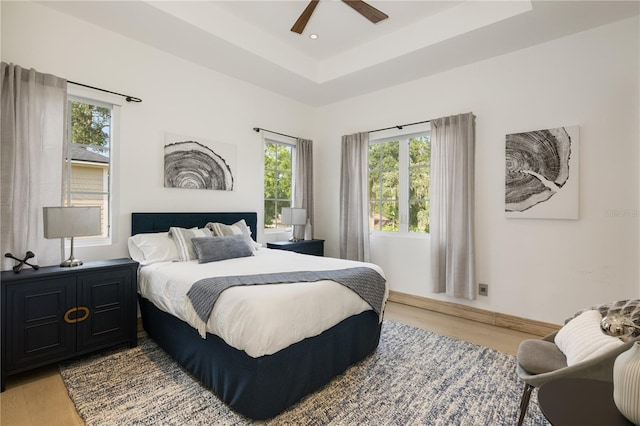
{"points": [[542, 174], [198, 164]]}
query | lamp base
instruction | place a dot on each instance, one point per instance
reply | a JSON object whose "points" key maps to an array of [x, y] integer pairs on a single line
{"points": [[294, 239], [70, 262]]}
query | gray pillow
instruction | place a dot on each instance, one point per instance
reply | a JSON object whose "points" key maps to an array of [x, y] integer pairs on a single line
{"points": [[213, 249], [539, 356]]}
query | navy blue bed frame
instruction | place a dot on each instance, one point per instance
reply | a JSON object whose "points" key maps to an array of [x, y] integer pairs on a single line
{"points": [[258, 388]]}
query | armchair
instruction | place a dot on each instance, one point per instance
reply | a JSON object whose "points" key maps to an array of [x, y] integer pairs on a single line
{"points": [[599, 368], [540, 360]]}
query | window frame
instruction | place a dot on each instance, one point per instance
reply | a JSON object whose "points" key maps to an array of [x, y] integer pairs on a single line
{"points": [[95, 97], [404, 137], [289, 142]]}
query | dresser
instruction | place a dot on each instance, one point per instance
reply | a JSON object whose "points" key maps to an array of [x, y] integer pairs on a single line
{"points": [[55, 313]]}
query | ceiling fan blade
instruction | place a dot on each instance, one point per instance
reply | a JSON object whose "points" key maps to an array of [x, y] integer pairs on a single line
{"points": [[366, 10], [298, 27]]}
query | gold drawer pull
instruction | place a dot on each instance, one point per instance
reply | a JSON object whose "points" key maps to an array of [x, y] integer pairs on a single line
{"points": [[84, 309]]}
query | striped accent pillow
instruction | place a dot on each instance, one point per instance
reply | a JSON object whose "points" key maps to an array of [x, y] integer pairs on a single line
{"points": [[183, 236], [238, 228]]}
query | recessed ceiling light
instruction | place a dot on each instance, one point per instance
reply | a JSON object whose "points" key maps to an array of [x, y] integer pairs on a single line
{"points": [[313, 36]]}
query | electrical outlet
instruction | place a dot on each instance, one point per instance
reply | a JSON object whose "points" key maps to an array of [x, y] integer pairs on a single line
{"points": [[483, 289]]}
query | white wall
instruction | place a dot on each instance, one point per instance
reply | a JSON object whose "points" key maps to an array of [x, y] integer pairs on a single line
{"points": [[178, 97], [539, 269]]}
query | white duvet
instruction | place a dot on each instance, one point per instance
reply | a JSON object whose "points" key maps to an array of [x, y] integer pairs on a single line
{"points": [[259, 319]]}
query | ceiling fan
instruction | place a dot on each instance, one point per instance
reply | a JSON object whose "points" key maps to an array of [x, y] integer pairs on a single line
{"points": [[364, 9]]}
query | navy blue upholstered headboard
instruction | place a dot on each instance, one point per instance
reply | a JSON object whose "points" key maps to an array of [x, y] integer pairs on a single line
{"points": [[161, 222]]}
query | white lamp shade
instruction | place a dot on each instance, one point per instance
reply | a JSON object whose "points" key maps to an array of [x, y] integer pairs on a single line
{"points": [[62, 222], [293, 216]]}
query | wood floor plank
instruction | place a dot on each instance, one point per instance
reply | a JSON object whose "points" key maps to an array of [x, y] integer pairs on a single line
{"points": [[38, 397], [502, 339], [49, 403], [13, 407]]}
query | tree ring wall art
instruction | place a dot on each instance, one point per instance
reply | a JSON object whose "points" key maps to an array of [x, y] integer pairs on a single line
{"points": [[542, 174], [198, 165]]}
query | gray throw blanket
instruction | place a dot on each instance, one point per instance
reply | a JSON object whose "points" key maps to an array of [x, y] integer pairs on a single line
{"points": [[365, 282]]}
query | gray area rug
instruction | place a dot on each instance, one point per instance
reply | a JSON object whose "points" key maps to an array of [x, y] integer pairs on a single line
{"points": [[415, 377]]}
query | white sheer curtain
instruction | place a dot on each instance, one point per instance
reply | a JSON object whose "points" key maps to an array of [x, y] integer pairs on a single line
{"points": [[354, 197], [452, 205], [31, 156], [303, 186]]}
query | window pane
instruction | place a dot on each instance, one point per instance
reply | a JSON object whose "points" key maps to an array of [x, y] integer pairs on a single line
{"points": [[390, 154], [269, 185], [90, 124], [374, 216], [419, 151], [390, 185], [283, 158], [87, 177], [419, 216], [269, 156], [269, 214], [374, 156], [389, 217], [283, 187], [419, 181], [374, 185]]}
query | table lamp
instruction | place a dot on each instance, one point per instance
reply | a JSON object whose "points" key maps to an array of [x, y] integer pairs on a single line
{"points": [[293, 216], [64, 222]]}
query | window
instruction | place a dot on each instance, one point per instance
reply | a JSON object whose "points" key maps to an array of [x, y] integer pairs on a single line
{"points": [[88, 165], [278, 179], [399, 177]]}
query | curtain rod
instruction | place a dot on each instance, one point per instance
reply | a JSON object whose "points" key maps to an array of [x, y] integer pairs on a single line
{"points": [[257, 129], [128, 98], [400, 126]]}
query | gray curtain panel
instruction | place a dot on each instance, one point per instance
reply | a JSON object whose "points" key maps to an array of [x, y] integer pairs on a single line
{"points": [[303, 183], [31, 155], [354, 197], [452, 205]]}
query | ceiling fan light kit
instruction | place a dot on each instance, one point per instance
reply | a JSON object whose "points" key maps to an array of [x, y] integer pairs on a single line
{"points": [[371, 13]]}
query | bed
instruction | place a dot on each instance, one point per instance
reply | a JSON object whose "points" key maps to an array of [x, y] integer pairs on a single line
{"points": [[272, 378]]}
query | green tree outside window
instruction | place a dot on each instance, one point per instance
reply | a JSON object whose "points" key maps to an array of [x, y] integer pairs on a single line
{"points": [[277, 181], [385, 199]]}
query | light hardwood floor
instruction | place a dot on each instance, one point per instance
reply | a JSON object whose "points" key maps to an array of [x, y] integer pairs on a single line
{"points": [[40, 397]]}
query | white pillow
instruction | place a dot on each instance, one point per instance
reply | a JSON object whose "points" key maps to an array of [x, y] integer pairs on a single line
{"points": [[151, 248], [581, 338], [182, 238]]}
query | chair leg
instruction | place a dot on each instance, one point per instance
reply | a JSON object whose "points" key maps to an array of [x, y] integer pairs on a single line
{"points": [[524, 403]]}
